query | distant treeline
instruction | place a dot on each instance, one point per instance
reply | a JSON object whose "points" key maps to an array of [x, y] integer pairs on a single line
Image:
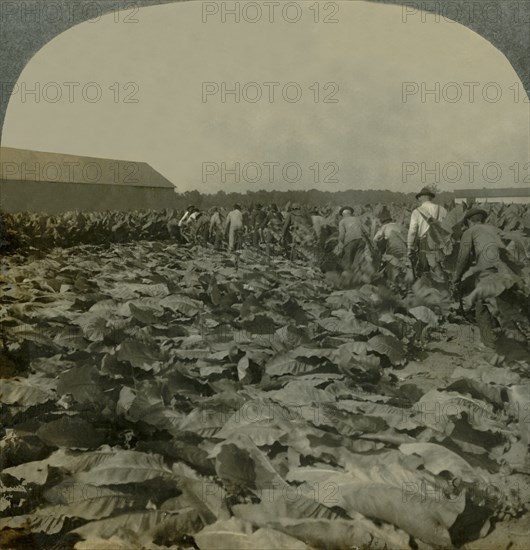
{"points": [[311, 197]]}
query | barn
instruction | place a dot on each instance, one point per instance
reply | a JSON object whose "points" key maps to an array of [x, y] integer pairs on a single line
{"points": [[507, 195], [53, 182]]}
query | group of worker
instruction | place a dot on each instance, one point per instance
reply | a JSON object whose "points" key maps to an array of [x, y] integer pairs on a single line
{"points": [[424, 248], [265, 225], [481, 251], [424, 245]]}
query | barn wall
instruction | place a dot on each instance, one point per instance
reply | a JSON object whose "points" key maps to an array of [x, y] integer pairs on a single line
{"points": [[52, 197]]}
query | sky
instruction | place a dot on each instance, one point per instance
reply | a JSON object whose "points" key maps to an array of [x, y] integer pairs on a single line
{"points": [[151, 76]]}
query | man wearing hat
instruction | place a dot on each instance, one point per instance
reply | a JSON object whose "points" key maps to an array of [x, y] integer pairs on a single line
{"points": [[429, 256], [389, 236], [480, 244], [350, 236]]}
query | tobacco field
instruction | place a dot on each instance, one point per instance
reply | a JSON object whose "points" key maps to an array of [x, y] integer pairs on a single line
{"points": [[155, 395]]}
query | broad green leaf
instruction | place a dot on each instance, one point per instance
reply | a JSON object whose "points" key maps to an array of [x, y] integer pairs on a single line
{"points": [[126, 467], [20, 391], [145, 526], [72, 432], [48, 524], [389, 346], [235, 534], [139, 355], [183, 304], [288, 363], [425, 315]]}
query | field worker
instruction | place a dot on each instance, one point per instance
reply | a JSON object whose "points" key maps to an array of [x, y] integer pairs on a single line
{"points": [[173, 227], [257, 219], [201, 229], [188, 225], [482, 244], [234, 227], [189, 211], [350, 236], [318, 222], [190, 217], [215, 233], [271, 228], [296, 220], [389, 237], [287, 227], [273, 213], [419, 247]]}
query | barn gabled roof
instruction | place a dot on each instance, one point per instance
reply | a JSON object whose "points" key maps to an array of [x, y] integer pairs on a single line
{"points": [[40, 166], [492, 193]]}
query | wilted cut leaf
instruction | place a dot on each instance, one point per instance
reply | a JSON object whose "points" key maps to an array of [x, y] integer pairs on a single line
{"points": [[207, 498], [288, 363], [393, 495], [347, 325], [34, 523], [235, 534], [183, 304], [353, 355], [258, 470], [439, 410], [146, 526], [399, 418], [137, 406], [322, 533], [138, 354], [145, 314], [158, 290], [206, 422], [24, 332], [30, 472], [19, 391], [114, 543], [70, 431], [389, 346], [93, 503], [126, 467], [425, 315], [84, 384], [263, 421], [437, 459], [235, 465], [300, 394], [94, 326]]}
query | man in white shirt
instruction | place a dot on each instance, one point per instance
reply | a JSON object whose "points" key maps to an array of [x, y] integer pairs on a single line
{"points": [[233, 227], [187, 214], [429, 257]]}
